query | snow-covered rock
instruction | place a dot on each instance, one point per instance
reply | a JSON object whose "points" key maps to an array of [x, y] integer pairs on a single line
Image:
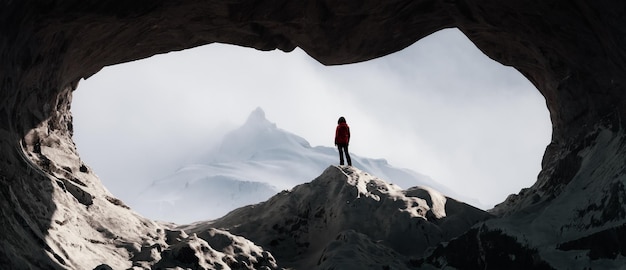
{"points": [[213, 249]]}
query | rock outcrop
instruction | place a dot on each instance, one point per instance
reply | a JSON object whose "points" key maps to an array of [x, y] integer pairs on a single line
{"points": [[349, 219], [572, 51]]}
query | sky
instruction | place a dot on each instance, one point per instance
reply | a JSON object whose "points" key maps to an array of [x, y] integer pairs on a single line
{"points": [[439, 107]]}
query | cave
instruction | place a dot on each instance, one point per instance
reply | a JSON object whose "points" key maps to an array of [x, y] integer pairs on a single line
{"points": [[573, 53]]}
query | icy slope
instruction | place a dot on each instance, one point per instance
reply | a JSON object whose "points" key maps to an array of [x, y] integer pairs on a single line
{"points": [[348, 219], [252, 163]]}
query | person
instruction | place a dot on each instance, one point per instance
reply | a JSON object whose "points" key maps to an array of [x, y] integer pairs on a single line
{"points": [[342, 139]]}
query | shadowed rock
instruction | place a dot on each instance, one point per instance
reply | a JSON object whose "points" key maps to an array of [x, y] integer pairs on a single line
{"points": [[54, 207], [346, 207]]}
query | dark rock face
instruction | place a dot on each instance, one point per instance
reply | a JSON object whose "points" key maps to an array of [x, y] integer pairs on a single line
{"points": [[481, 248], [612, 244], [573, 51]]}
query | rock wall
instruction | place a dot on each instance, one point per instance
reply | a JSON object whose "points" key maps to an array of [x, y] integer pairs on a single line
{"points": [[573, 51]]}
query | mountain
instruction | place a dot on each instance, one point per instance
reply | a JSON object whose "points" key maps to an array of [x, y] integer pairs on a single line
{"points": [[348, 219], [252, 163]]}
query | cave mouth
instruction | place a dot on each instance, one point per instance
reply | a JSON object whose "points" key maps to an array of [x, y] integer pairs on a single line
{"points": [[55, 207], [471, 123]]}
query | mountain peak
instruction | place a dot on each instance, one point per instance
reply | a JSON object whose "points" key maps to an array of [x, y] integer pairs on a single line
{"points": [[257, 118], [257, 115], [257, 138]]}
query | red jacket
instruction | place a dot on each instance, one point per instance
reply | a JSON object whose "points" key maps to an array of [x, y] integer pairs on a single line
{"points": [[342, 134]]}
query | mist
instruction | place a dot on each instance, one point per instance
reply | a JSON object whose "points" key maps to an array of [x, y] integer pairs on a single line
{"points": [[439, 107]]}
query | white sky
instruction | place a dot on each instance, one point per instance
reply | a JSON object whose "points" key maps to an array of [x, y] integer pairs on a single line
{"points": [[439, 107]]}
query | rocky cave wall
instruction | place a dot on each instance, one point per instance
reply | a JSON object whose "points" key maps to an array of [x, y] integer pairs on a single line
{"points": [[572, 51]]}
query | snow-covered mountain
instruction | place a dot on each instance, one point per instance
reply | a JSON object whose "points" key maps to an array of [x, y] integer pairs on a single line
{"points": [[251, 164]]}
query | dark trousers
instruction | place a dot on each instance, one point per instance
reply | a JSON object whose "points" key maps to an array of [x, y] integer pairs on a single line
{"points": [[343, 148]]}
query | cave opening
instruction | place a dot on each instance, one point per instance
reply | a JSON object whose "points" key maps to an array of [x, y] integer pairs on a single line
{"points": [[439, 107]]}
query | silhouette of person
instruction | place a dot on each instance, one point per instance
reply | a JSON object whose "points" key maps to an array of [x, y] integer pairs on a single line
{"points": [[342, 139]]}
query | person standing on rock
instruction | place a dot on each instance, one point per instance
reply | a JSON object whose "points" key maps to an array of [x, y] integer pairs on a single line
{"points": [[342, 138]]}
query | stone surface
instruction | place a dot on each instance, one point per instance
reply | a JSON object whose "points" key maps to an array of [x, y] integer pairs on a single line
{"points": [[574, 52], [346, 214]]}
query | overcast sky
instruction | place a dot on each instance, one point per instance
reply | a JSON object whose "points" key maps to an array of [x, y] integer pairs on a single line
{"points": [[440, 107]]}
